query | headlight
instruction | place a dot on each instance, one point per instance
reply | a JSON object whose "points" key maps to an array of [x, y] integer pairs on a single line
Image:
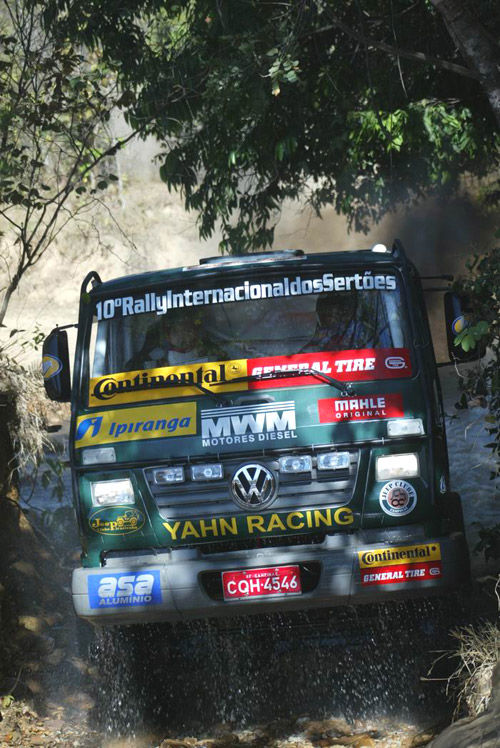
{"points": [[333, 461], [168, 475], [207, 472], [96, 456], [405, 427], [296, 464], [397, 466], [112, 492]]}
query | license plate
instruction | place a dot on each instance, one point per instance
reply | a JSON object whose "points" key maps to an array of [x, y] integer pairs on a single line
{"points": [[276, 580]]}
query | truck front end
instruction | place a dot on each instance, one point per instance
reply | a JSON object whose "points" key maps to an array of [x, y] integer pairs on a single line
{"points": [[259, 434]]}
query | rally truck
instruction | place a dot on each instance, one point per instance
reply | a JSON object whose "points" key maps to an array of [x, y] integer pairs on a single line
{"points": [[258, 433]]}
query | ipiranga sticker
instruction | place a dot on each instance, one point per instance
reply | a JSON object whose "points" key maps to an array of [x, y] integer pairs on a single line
{"points": [[408, 554], [131, 424]]}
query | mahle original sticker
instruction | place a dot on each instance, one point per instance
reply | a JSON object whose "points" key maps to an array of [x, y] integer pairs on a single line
{"points": [[397, 498], [130, 424], [116, 520]]}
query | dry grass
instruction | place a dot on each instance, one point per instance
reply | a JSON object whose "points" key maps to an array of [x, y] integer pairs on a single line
{"points": [[478, 651], [27, 409]]}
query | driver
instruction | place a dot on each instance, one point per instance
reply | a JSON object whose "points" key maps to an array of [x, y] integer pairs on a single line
{"points": [[336, 325], [175, 338]]}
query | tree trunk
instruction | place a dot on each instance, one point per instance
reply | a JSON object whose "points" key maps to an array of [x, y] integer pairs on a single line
{"points": [[479, 50]]}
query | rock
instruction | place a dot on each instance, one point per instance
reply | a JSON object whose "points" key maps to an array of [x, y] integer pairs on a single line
{"points": [[483, 731], [328, 728]]}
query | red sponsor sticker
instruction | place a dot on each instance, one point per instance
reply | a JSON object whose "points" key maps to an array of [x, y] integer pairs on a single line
{"points": [[347, 366], [337, 409], [400, 573], [278, 580]]}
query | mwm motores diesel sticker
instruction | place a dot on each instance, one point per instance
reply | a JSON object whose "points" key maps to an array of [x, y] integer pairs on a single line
{"points": [[174, 381], [336, 409], [116, 520], [124, 589], [130, 424], [161, 303], [247, 424], [261, 525]]}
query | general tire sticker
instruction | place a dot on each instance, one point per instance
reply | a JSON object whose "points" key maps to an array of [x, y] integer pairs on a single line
{"points": [[420, 572], [398, 498]]}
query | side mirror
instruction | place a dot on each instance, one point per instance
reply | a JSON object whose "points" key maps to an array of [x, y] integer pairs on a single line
{"points": [[459, 315], [55, 366]]}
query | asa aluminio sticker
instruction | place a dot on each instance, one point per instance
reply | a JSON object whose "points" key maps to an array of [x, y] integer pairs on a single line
{"points": [[124, 589]]}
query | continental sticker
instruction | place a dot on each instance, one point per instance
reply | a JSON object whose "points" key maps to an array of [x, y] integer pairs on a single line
{"points": [[116, 520], [131, 424], [373, 407], [166, 381], [407, 554], [258, 525]]}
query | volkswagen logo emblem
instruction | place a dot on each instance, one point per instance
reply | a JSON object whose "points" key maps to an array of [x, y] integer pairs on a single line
{"points": [[253, 486]]}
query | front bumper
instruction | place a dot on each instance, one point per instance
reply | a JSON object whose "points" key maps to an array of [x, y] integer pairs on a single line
{"points": [[178, 589]]}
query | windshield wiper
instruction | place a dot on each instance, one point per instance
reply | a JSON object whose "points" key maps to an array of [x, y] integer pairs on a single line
{"points": [[345, 388], [222, 399]]}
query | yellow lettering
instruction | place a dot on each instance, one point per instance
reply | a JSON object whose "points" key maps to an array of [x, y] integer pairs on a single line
{"points": [[309, 518], [274, 522], [255, 522], [172, 530], [208, 527], [189, 529], [319, 517], [343, 516], [113, 526], [290, 517], [224, 525]]}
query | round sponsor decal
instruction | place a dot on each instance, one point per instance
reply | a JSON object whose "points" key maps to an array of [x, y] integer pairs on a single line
{"points": [[459, 324], [116, 520], [51, 366], [398, 498]]}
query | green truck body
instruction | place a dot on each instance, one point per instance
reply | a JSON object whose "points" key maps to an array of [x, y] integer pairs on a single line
{"points": [[257, 434]]}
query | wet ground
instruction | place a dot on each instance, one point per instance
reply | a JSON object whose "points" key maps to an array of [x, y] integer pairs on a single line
{"points": [[348, 677]]}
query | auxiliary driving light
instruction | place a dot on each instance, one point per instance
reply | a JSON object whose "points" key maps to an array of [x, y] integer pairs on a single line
{"points": [[397, 466], [296, 464], [405, 427], [207, 472], [168, 475], [333, 461], [112, 492]]}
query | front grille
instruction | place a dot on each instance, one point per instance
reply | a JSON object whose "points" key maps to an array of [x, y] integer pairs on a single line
{"points": [[193, 500], [310, 572], [250, 544]]}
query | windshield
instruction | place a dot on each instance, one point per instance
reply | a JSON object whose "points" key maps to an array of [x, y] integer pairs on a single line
{"points": [[281, 323]]}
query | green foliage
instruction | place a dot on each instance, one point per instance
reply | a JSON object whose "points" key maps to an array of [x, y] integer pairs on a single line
{"points": [[55, 147], [257, 102], [469, 337], [483, 286]]}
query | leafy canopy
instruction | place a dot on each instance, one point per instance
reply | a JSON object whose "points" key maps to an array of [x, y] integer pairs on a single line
{"points": [[358, 104]]}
